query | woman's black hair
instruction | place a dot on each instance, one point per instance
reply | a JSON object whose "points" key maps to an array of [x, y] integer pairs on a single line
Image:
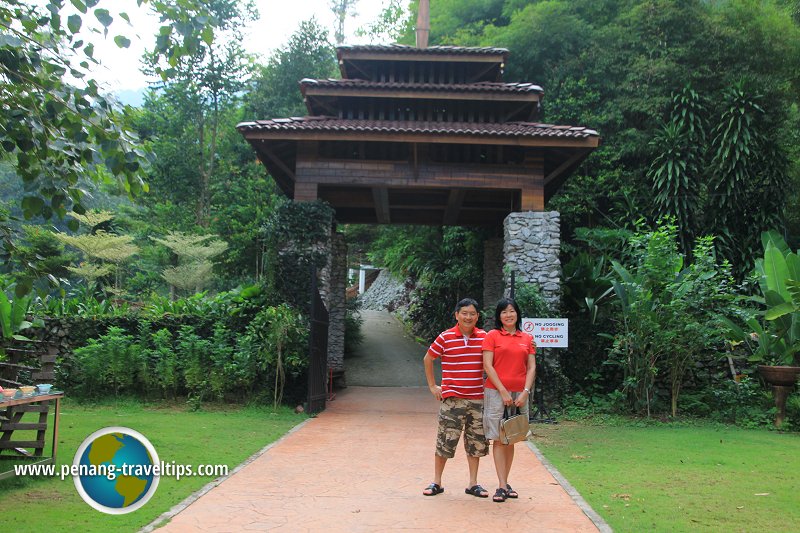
{"points": [[501, 305]]}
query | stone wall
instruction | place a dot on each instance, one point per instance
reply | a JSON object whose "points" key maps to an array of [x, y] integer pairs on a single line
{"points": [[337, 285], [492, 273], [531, 248], [387, 293]]}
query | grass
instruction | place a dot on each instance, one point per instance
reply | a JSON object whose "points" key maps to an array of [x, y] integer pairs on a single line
{"points": [[692, 477], [215, 435]]}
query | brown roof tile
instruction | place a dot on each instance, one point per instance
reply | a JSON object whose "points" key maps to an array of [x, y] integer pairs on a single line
{"points": [[508, 129], [431, 50], [487, 87]]}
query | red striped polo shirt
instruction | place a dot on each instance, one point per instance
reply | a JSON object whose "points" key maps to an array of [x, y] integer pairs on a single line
{"points": [[462, 363]]}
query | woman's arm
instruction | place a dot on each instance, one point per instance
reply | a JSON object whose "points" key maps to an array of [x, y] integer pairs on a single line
{"points": [[529, 377], [491, 373]]}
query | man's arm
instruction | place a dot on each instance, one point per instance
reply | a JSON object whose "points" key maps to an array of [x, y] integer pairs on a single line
{"points": [[435, 389]]}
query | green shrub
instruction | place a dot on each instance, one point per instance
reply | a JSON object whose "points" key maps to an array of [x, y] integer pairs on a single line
{"points": [[160, 368], [108, 363], [194, 355], [793, 412], [353, 336]]}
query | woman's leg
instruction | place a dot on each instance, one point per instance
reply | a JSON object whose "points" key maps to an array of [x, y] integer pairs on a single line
{"points": [[508, 460], [500, 455]]}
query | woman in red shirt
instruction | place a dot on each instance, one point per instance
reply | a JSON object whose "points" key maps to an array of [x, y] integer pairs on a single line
{"points": [[509, 361]]}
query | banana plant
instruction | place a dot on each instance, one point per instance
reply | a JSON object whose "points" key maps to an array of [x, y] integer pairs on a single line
{"points": [[13, 316]]}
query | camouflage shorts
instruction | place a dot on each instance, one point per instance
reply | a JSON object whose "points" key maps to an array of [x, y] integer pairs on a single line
{"points": [[457, 415]]}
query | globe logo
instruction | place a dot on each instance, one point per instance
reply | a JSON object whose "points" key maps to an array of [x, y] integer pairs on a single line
{"points": [[116, 470]]}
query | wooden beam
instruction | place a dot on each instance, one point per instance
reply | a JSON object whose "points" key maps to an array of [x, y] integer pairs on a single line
{"points": [[380, 196], [480, 74], [357, 55], [454, 203], [488, 95], [532, 197], [311, 100], [574, 158], [519, 109], [468, 138], [414, 149], [367, 75], [277, 161]]}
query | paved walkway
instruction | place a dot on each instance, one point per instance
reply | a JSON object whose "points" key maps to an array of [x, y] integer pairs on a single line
{"points": [[361, 465], [388, 356]]}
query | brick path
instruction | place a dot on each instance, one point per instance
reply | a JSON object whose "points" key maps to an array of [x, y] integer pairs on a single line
{"points": [[361, 466]]}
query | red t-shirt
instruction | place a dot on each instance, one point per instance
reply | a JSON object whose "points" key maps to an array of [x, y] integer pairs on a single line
{"points": [[462, 363], [510, 357]]}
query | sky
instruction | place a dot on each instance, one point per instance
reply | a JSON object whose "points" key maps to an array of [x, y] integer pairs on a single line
{"points": [[119, 70]]}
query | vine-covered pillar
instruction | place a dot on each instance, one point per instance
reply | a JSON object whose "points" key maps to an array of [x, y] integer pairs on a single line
{"points": [[492, 276], [532, 241], [334, 280]]}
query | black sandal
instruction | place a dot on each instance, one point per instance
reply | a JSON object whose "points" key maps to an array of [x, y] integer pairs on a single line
{"points": [[511, 493], [500, 496], [434, 489], [477, 490]]}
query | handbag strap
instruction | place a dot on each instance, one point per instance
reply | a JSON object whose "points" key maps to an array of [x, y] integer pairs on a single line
{"points": [[510, 410]]}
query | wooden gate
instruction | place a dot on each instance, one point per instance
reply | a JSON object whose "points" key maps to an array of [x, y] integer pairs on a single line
{"points": [[317, 349]]}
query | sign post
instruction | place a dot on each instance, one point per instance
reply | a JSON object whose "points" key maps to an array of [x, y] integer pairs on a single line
{"points": [[547, 333]]}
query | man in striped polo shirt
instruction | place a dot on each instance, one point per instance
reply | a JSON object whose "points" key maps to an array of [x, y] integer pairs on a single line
{"points": [[460, 394]]}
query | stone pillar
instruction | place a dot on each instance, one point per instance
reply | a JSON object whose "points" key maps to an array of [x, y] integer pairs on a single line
{"points": [[336, 286], [492, 277], [531, 248]]}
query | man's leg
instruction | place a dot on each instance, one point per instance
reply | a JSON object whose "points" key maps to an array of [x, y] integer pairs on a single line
{"points": [[446, 440], [475, 444], [473, 463], [438, 468]]}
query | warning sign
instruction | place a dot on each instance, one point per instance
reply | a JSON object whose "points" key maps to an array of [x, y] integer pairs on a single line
{"points": [[547, 332]]}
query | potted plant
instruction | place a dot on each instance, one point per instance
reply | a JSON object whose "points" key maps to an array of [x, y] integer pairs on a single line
{"points": [[774, 333]]}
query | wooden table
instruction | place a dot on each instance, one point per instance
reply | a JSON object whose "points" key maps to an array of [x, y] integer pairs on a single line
{"points": [[11, 413]]}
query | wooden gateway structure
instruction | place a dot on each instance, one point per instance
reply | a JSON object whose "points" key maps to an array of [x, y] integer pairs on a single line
{"points": [[426, 135], [420, 136]]}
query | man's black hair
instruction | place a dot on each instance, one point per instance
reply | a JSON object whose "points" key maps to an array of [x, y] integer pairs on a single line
{"points": [[466, 302]]}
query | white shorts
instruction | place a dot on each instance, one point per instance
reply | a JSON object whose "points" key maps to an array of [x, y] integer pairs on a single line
{"points": [[493, 412]]}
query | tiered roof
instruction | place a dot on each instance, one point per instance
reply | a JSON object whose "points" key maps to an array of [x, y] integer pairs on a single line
{"points": [[394, 98]]}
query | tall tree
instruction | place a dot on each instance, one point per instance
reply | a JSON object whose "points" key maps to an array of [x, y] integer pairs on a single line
{"points": [[274, 91], [205, 81], [55, 131], [342, 9]]}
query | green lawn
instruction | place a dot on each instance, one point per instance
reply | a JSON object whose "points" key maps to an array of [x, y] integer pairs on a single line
{"points": [[221, 435], [679, 477]]}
